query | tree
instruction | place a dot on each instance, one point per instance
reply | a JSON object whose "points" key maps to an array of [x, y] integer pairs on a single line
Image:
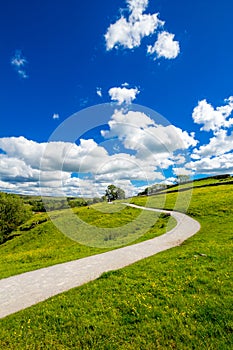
{"points": [[37, 205], [112, 193], [182, 178], [120, 193], [13, 212]]}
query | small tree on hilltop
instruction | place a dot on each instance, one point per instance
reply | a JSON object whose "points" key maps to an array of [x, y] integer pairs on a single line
{"points": [[112, 193]]}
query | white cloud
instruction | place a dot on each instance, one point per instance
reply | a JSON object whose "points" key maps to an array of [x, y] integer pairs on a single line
{"points": [[99, 91], [18, 62], [213, 119], [215, 156], [49, 166], [165, 46], [221, 164], [55, 116], [145, 149], [22, 74], [33, 167], [137, 7], [72, 158], [53, 156], [123, 94], [129, 32], [13, 168], [220, 144], [27, 150], [179, 159], [7, 186], [140, 133], [123, 166], [169, 181], [182, 171], [83, 187]]}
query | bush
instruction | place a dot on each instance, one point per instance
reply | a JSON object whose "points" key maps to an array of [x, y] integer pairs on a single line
{"points": [[13, 212], [37, 205]]}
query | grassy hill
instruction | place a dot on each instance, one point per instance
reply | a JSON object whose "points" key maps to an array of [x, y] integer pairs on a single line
{"points": [[202, 182], [39, 243], [178, 299]]}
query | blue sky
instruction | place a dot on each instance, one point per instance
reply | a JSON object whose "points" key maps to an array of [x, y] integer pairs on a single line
{"points": [[58, 58]]}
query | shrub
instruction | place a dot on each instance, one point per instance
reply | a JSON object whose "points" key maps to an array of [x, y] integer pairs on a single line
{"points": [[13, 212]]}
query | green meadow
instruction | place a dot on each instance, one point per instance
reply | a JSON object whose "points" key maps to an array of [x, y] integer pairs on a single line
{"points": [[178, 299], [41, 241]]}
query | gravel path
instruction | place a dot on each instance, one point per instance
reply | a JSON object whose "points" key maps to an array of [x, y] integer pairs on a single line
{"points": [[21, 291]]}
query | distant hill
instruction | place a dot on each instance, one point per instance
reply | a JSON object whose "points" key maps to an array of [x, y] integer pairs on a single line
{"points": [[206, 181]]}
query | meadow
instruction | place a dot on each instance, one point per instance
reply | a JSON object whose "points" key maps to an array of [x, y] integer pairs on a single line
{"points": [[40, 243], [178, 299]]}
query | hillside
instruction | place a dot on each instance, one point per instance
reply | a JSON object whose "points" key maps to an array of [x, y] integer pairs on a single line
{"points": [[39, 243], [178, 299], [202, 182]]}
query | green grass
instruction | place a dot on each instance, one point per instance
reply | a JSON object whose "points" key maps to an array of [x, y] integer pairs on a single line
{"points": [[39, 243], [212, 180], [178, 299], [110, 226], [203, 182]]}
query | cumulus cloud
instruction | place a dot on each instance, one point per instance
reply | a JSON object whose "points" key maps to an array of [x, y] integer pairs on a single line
{"points": [[123, 94], [221, 164], [13, 169], [7, 186], [19, 62], [128, 32], [165, 46], [145, 149], [83, 187], [140, 133], [45, 166], [53, 156], [215, 156], [21, 148], [55, 116], [50, 167], [124, 166], [70, 157], [213, 119], [137, 7], [182, 171], [220, 144]]}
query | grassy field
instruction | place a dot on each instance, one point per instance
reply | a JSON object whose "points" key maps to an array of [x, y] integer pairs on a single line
{"points": [[39, 243], [178, 299], [202, 182]]}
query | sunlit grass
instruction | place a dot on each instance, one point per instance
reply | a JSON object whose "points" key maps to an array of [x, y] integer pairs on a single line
{"points": [[178, 299], [79, 233]]}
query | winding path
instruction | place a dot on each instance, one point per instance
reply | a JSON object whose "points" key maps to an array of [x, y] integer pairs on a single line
{"points": [[21, 291]]}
